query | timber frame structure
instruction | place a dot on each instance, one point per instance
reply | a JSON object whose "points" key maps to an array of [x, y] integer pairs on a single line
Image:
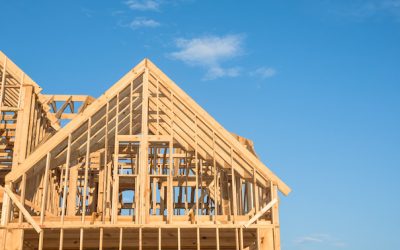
{"points": [[141, 167]]}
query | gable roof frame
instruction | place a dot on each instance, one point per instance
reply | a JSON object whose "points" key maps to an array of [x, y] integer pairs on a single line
{"points": [[120, 85]]}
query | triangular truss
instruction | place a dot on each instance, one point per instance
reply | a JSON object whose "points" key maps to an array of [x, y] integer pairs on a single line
{"points": [[144, 153]]}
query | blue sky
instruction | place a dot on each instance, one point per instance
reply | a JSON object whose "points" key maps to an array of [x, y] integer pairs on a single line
{"points": [[315, 84]]}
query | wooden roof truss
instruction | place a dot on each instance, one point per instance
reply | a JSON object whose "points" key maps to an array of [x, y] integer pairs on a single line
{"points": [[143, 156]]}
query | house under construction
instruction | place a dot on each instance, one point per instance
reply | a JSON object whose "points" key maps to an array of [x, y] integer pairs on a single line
{"points": [[141, 167]]}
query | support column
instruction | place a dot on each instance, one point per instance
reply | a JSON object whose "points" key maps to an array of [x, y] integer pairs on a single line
{"points": [[275, 218], [22, 130], [143, 151], [267, 239], [72, 188]]}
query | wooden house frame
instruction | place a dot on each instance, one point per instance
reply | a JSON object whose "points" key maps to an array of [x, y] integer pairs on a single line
{"points": [[141, 167]]}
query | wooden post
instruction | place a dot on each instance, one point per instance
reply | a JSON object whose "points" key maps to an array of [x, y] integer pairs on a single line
{"points": [[105, 171], [23, 191], [3, 81], [143, 176], [87, 166], [64, 199], [20, 90], [196, 161], [255, 191], [120, 238], [101, 238], [140, 238], [241, 238], [198, 237], [236, 238], [72, 189], [275, 218], [44, 198], [130, 108], [159, 238], [170, 193], [81, 239], [179, 238], [66, 178], [45, 188], [233, 188], [217, 237], [115, 197], [215, 182], [267, 239], [22, 130], [20, 216]]}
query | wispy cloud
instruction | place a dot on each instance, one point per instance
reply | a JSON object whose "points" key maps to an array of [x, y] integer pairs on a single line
{"points": [[143, 22], [264, 72], [366, 9], [320, 239], [143, 5], [88, 12], [210, 52], [217, 72]]}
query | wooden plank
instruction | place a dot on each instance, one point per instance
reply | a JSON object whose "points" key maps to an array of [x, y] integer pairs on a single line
{"points": [[66, 179], [63, 98], [27, 215], [120, 238], [275, 218], [217, 237], [143, 194], [261, 212], [61, 244], [159, 239], [179, 238], [198, 238], [114, 216], [233, 187], [45, 188], [81, 235], [21, 138], [140, 238], [87, 166], [23, 191], [3, 80]]}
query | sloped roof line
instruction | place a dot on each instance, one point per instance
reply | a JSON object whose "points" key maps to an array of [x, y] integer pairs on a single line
{"points": [[80, 119], [119, 86], [237, 146]]}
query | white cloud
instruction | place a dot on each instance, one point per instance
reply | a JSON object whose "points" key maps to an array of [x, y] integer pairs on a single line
{"points": [[143, 5], [217, 72], [264, 72], [308, 239], [209, 52], [365, 9], [153, 5], [142, 22], [320, 239]]}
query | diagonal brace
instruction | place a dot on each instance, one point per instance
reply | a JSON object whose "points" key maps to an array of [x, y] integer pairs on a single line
{"points": [[260, 213], [22, 209]]}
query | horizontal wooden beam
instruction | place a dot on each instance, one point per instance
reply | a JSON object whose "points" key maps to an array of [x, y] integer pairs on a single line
{"points": [[150, 138], [63, 98]]}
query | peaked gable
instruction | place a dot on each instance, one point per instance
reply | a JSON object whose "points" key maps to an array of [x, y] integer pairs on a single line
{"points": [[170, 111]]}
